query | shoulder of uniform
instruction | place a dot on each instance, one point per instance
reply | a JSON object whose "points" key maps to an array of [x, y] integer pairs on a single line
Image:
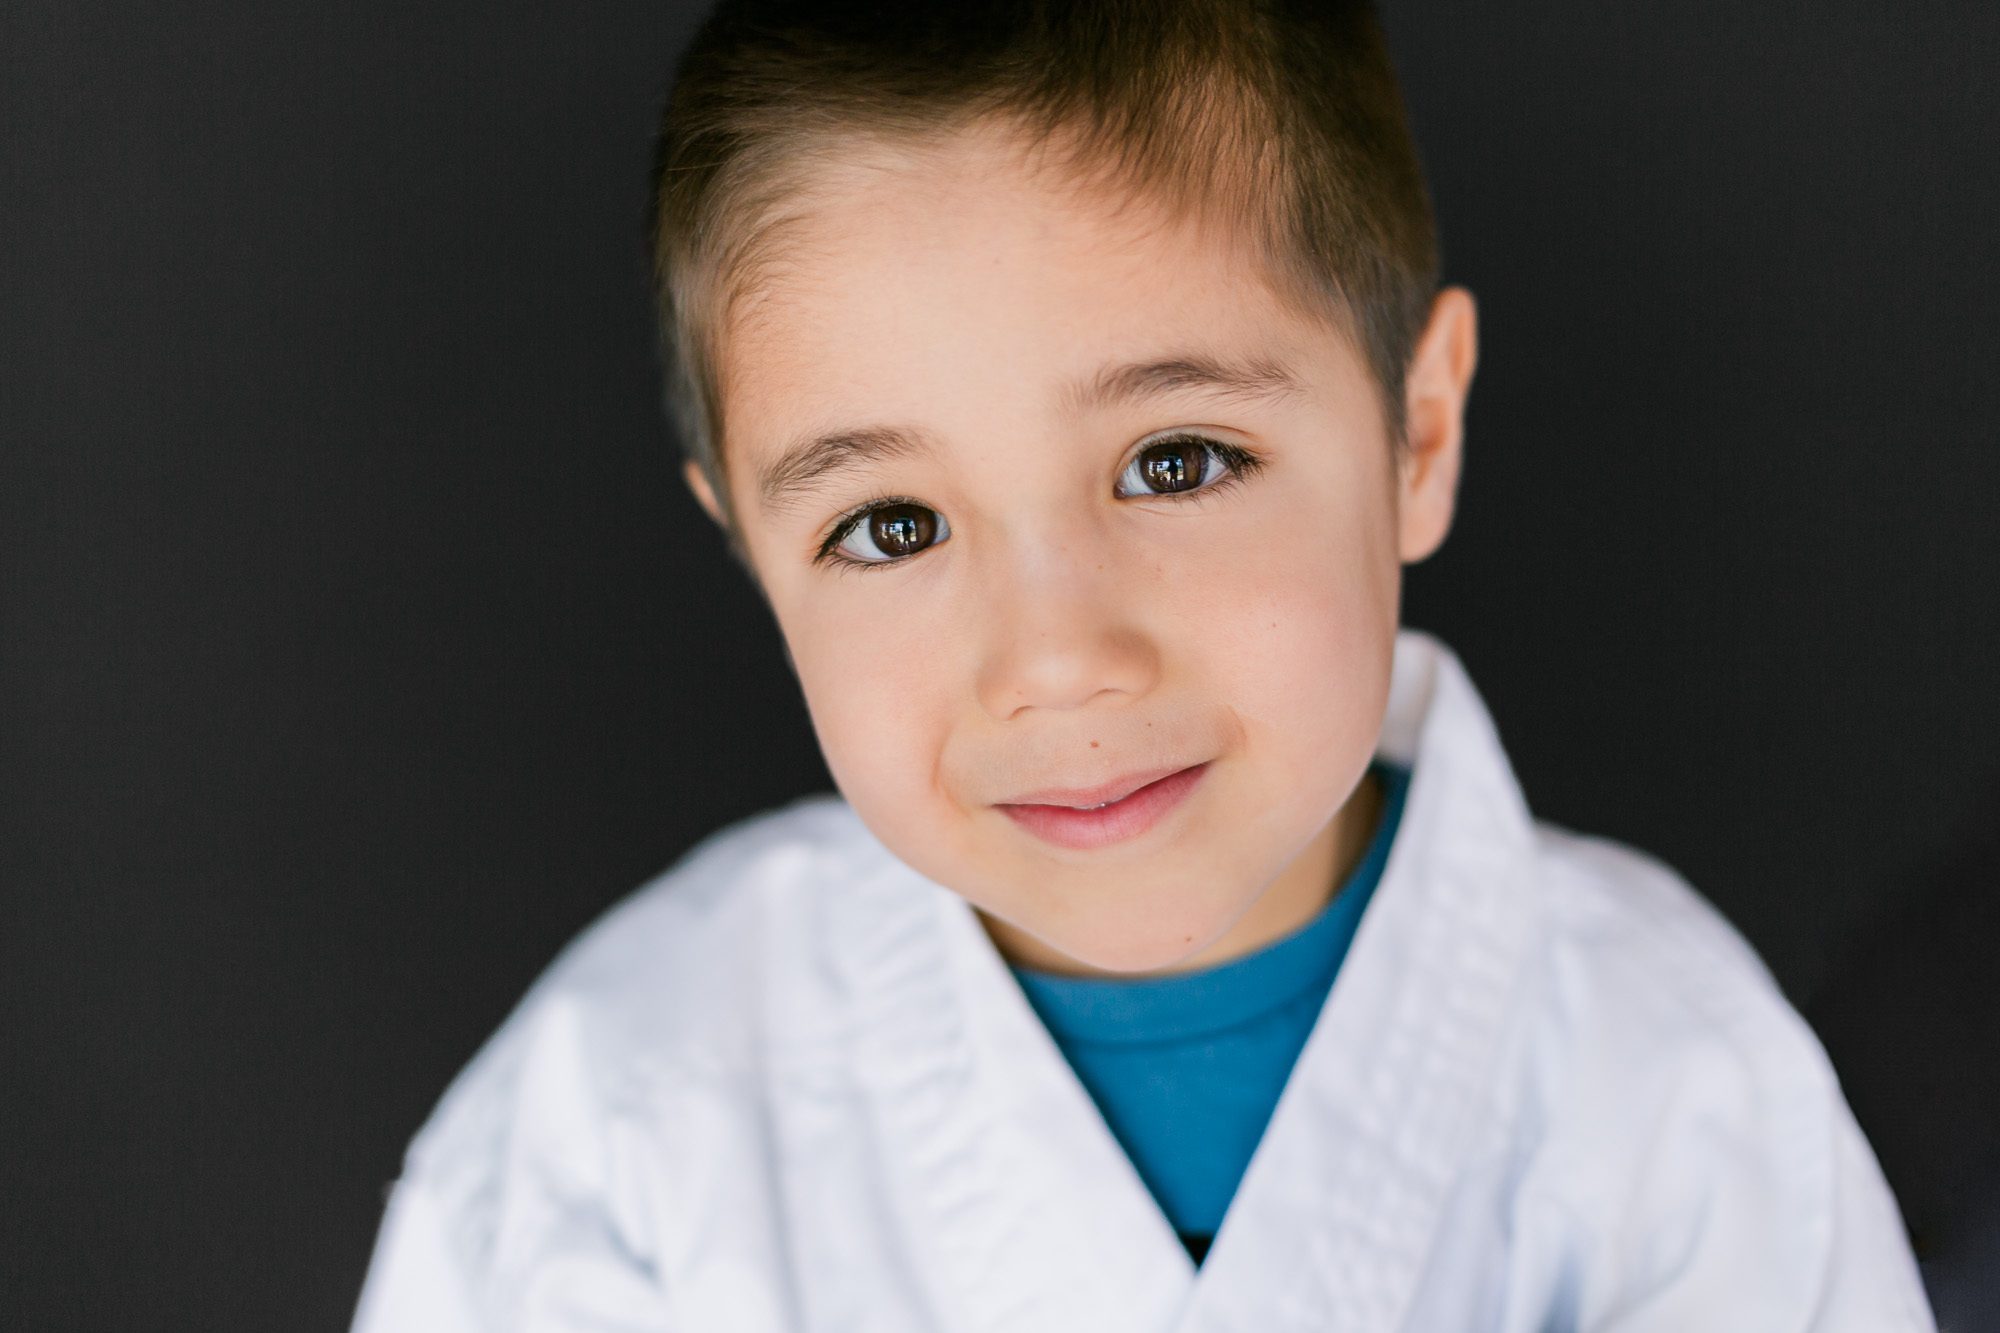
{"points": [[652, 996], [1656, 1003], [1674, 1081], [667, 931], [1630, 924]]}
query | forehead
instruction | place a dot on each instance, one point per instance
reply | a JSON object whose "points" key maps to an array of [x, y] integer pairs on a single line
{"points": [[960, 284]]}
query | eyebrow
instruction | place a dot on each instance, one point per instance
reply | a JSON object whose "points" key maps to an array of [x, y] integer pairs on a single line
{"points": [[808, 463], [1135, 381]]}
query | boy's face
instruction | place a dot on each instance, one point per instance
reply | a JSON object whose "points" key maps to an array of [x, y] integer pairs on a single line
{"points": [[1072, 588]]}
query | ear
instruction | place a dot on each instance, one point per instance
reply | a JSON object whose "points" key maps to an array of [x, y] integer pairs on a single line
{"points": [[703, 494], [1435, 389]]}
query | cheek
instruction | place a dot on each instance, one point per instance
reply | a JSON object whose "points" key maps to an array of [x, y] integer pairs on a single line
{"points": [[871, 685], [1299, 640]]}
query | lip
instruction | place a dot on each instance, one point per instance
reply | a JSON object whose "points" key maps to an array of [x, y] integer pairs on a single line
{"points": [[1077, 797], [1135, 803]]}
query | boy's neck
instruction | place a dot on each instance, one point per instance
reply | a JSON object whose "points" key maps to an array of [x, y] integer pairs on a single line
{"points": [[1299, 893]]}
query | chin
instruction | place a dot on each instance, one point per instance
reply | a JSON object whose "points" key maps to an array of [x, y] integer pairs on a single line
{"points": [[1141, 946]]}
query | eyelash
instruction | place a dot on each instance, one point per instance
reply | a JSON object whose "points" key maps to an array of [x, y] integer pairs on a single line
{"points": [[1242, 464]]}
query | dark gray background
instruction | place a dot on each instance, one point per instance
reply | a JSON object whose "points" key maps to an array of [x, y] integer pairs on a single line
{"points": [[358, 642]]}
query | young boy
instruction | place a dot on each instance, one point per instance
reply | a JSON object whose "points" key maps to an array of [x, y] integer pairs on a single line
{"points": [[1180, 953]]}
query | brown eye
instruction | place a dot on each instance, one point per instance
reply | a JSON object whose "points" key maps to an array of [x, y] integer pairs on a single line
{"points": [[892, 532], [1176, 465], [902, 529], [1182, 465]]}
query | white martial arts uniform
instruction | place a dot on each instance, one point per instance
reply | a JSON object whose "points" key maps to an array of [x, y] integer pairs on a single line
{"points": [[791, 1085]]}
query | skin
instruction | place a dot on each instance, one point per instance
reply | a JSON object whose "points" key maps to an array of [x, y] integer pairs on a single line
{"points": [[1061, 634]]}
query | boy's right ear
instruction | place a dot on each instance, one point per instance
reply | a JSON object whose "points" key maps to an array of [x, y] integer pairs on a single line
{"points": [[704, 495], [697, 481]]}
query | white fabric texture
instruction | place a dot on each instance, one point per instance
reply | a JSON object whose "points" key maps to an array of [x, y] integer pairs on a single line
{"points": [[791, 1085]]}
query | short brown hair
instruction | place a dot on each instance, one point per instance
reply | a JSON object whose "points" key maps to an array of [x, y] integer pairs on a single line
{"points": [[1281, 117]]}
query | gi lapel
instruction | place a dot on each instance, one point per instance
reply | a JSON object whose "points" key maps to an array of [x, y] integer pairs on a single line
{"points": [[1347, 1190], [1018, 1209]]}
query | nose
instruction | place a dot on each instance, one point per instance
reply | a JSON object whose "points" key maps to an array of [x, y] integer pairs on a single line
{"points": [[1063, 630]]}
